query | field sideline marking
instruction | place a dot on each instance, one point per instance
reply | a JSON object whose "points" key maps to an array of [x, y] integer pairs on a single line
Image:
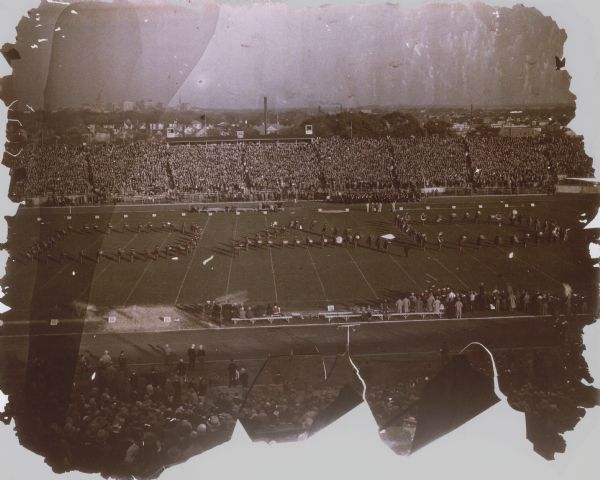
{"points": [[357, 355], [186, 204], [305, 325], [233, 254], [189, 266]]}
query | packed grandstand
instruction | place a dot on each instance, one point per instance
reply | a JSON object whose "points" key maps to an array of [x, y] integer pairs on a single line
{"points": [[388, 169]]}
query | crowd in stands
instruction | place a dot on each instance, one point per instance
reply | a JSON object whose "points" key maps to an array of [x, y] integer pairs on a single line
{"points": [[207, 168], [430, 162], [283, 166], [544, 383], [547, 386], [52, 168], [121, 420], [341, 169], [125, 420], [521, 162], [130, 169], [291, 392]]}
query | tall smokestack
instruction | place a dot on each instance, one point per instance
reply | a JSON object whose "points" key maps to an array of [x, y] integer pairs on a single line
{"points": [[265, 116]]}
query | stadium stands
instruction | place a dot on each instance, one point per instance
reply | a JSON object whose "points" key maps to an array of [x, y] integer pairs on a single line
{"points": [[349, 170]]}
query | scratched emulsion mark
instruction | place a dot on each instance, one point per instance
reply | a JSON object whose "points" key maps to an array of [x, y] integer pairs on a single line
{"points": [[65, 55], [128, 348]]}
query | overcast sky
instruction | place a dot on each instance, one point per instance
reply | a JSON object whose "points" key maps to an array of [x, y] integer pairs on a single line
{"points": [[231, 56]]}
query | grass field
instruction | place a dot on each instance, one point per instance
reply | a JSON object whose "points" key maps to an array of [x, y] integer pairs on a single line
{"points": [[297, 278]]}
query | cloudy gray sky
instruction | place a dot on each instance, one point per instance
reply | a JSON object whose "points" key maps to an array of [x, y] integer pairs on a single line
{"points": [[230, 56]]}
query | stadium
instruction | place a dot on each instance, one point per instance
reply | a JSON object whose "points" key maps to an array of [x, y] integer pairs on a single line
{"points": [[301, 227], [175, 270], [391, 257]]}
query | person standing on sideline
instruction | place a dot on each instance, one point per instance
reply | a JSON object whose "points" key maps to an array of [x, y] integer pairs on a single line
{"points": [[234, 374], [168, 352], [122, 361], [192, 357], [181, 370], [436, 306], [458, 307], [200, 355], [399, 305]]}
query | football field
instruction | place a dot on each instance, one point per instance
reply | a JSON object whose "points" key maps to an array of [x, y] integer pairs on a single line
{"points": [[298, 278]]}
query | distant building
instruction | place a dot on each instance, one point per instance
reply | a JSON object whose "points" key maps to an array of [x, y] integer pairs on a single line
{"points": [[157, 127], [518, 131], [128, 106], [149, 105], [271, 129], [461, 128], [102, 136]]}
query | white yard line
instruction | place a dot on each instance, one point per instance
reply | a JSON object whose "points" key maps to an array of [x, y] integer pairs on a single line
{"points": [[61, 270], [362, 274], [547, 275], [95, 277], [312, 260], [403, 269], [441, 264], [189, 266], [353, 261], [232, 255], [449, 271], [272, 269], [149, 262], [362, 225]]}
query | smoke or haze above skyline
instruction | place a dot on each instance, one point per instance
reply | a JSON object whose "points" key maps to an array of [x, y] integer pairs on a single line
{"points": [[230, 56]]}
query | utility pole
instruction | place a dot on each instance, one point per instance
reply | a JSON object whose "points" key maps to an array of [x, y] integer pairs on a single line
{"points": [[265, 108]]}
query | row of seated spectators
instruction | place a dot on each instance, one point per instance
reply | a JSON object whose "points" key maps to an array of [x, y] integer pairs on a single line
{"points": [[330, 166]]}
